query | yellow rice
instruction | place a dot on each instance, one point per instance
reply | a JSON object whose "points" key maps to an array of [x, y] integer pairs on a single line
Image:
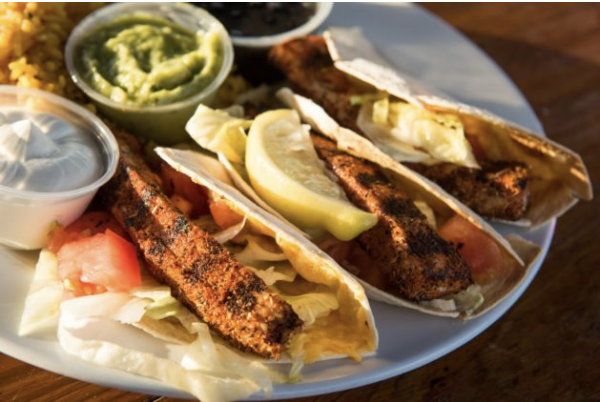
{"points": [[32, 39]]}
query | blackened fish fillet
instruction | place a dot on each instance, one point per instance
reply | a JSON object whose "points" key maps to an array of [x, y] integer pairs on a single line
{"points": [[307, 65], [497, 190], [202, 274], [420, 265]]}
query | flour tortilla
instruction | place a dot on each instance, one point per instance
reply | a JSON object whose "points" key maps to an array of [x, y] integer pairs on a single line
{"points": [[350, 330], [559, 177]]}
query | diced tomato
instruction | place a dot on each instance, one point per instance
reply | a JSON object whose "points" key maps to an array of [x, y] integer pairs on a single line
{"points": [[223, 215], [337, 249], [87, 225], [370, 272], [352, 257], [105, 261], [480, 252], [181, 185]]}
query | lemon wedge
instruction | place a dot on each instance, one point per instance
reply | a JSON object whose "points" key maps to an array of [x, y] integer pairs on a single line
{"points": [[286, 172]]}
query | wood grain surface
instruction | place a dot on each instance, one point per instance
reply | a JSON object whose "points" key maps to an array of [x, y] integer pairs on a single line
{"points": [[547, 347]]}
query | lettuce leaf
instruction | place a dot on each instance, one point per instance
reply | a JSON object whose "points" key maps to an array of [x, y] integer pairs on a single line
{"points": [[281, 272], [296, 351], [163, 305], [467, 301], [380, 135], [91, 328], [220, 132], [381, 109], [224, 236], [256, 251], [441, 135], [42, 304], [311, 306]]}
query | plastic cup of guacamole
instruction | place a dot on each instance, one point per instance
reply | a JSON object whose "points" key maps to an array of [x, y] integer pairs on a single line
{"points": [[147, 66]]}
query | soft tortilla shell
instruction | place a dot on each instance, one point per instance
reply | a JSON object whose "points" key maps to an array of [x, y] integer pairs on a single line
{"points": [[559, 177], [518, 261], [353, 322]]}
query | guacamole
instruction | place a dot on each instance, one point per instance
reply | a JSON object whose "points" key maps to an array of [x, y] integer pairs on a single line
{"points": [[143, 60]]}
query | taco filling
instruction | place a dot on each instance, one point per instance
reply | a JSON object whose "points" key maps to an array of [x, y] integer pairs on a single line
{"points": [[412, 251]]}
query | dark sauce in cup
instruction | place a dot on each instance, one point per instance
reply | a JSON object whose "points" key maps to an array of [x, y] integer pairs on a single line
{"points": [[260, 19]]}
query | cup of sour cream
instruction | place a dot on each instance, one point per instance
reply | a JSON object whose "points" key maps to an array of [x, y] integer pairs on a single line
{"points": [[147, 66], [54, 155]]}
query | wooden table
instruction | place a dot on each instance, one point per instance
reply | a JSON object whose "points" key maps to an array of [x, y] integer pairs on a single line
{"points": [[548, 345]]}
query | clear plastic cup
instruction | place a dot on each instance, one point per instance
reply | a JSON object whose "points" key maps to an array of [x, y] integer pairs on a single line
{"points": [[251, 52], [164, 124], [26, 217]]}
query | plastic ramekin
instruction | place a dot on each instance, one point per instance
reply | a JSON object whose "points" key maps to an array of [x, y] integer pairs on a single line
{"points": [[164, 124], [26, 217], [322, 11], [251, 52]]}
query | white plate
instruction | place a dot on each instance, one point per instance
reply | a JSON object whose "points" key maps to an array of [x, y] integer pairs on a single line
{"points": [[431, 51]]}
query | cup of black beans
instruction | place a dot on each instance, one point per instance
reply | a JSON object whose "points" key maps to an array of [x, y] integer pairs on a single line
{"points": [[255, 27]]}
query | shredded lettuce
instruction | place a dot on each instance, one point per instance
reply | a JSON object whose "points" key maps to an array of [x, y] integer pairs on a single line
{"points": [[311, 306], [440, 135], [93, 329], [381, 109], [296, 351], [255, 251], [440, 304], [411, 133], [467, 301], [167, 307], [281, 272], [220, 131], [380, 135], [225, 235], [42, 305]]}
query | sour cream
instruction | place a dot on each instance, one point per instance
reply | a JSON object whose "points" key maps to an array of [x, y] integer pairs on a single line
{"points": [[40, 152]]}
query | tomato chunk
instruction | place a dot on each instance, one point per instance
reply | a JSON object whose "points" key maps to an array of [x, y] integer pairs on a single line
{"points": [[223, 215], [176, 183], [105, 261], [337, 249], [352, 257], [479, 251], [87, 225]]}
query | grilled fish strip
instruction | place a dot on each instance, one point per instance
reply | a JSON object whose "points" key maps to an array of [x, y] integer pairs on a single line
{"points": [[499, 190], [494, 191], [419, 264], [307, 65], [202, 274]]}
